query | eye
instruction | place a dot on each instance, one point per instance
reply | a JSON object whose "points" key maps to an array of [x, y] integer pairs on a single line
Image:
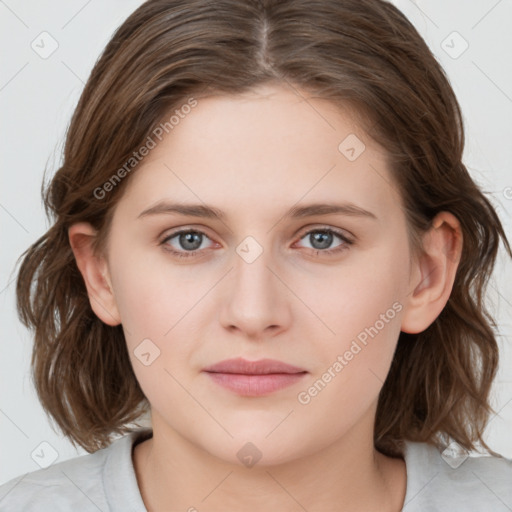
{"points": [[189, 241], [323, 238]]}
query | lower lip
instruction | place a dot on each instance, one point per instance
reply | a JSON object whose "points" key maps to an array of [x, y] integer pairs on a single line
{"points": [[255, 385]]}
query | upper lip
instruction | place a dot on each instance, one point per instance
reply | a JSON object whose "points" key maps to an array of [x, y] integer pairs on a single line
{"points": [[260, 367]]}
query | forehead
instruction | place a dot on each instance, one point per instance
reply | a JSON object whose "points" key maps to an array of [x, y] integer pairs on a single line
{"points": [[263, 151]]}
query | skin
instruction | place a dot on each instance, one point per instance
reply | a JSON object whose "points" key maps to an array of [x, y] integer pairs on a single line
{"points": [[254, 156]]}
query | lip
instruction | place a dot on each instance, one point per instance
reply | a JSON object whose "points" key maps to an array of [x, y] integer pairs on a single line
{"points": [[254, 378], [261, 367]]}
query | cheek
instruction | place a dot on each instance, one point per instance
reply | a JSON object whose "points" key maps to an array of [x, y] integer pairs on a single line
{"points": [[162, 311], [152, 293], [364, 311], [355, 297], [353, 364]]}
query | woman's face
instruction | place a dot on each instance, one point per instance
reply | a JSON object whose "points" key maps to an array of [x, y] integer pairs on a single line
{"points": [[266, 279]]}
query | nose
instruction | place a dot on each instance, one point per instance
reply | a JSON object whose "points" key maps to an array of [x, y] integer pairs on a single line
{"points": [[255, 299]]}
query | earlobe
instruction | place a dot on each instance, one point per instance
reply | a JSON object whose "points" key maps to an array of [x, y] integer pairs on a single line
{"points": [[434, 274], [95, 272]]}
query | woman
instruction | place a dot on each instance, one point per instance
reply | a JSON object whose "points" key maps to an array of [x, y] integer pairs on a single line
{"points": [[264, 236]]}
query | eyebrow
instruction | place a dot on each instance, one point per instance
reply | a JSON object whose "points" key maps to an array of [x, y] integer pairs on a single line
{"points": [[296, 212]]}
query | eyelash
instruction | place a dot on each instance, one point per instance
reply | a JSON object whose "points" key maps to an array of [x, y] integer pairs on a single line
{"points": [[194, 254]]}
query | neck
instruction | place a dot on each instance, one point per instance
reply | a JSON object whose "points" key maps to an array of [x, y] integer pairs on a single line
{"points": [[349, 475]]}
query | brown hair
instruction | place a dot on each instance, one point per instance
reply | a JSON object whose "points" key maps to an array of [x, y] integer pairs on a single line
{"points": [[363, 53]]}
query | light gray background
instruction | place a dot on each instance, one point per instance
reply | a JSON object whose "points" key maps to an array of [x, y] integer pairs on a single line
{"points": [[37, 97]]}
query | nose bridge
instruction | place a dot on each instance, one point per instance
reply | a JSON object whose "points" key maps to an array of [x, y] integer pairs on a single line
{"points": [[256, 298], [252, 266]]}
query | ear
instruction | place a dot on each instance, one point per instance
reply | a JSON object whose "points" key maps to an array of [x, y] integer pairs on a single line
{"points": [[432, 276], [94, 270]]}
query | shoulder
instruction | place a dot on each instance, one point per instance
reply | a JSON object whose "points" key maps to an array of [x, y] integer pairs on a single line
{"points": [[78, 482], [69, 483], [452, 480]]}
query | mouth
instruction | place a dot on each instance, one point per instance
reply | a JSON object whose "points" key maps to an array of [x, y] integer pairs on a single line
{"points": [[254, 378]]}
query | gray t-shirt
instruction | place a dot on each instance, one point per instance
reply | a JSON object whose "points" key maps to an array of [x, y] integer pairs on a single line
{"points": [[105, 481]]}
